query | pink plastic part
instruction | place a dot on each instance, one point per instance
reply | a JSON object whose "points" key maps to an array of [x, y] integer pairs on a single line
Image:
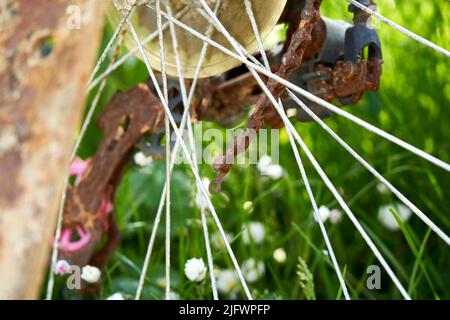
{"points": [[106, 206], [66, 244], [78, 168]]}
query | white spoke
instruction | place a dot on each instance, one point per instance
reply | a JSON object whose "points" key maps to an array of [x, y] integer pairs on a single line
{"points": [[311, 157], [350, 214], [313, 98], [110, 44], [187, 103], [167, 133], [251, 16], [163, 199], [175, 150], [189, 159], [299, 160], [403, 30], [54, 258], [158, 216], [372, 170], [317, 215]]}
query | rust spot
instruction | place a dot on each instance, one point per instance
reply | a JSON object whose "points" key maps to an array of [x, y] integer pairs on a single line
{"points": [[35, 20], [10, 189]]}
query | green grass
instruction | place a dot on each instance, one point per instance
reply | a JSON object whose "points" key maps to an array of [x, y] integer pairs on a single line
{"points": [[413, 104]]}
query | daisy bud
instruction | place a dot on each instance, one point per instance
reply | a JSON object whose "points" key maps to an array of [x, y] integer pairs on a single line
{"points": [[90, 274], [279, 255]]}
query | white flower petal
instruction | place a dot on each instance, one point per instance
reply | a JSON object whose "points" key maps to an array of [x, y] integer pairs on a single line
{"points": [[382, 189], [199, 194], [227, 282], [116, 296], [264, 162], [253, 270], [324, 213], [267, 168], [388, 220], [174, 296], [274, 171], [255, 230]]}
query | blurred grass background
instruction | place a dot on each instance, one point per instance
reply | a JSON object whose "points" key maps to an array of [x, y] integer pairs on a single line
{"points": [[412, 104]]}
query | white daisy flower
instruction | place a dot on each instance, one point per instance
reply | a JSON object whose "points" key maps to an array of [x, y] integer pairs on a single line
{"points": [[90, 274], [387, 218], [274, 171], [227, 282], [62, 267], [174, 296], [116, 296], [253, 270], [335, 216], [217, 241], [279, 255], [199, 194], [324, 213], [382, 189], [264, 162], [142, 160], [266, 168], [255, 230], [195, 270]]}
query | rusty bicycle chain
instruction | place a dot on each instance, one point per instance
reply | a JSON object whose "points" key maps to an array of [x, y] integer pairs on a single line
{"points": [[291, 61]]}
